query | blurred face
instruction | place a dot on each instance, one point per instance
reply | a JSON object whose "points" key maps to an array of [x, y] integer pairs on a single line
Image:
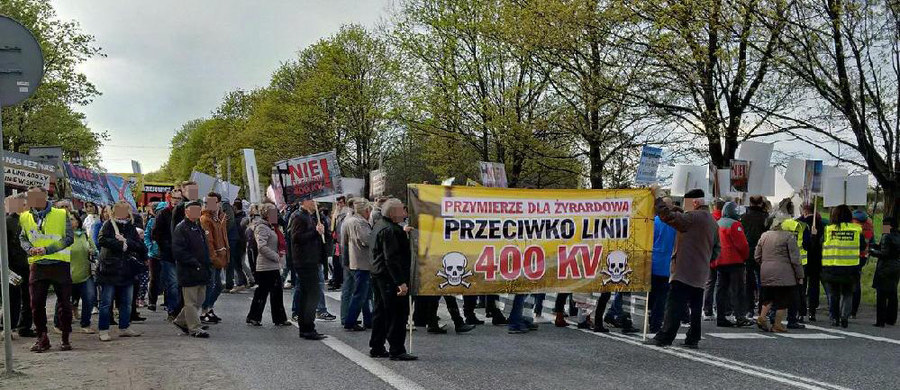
{"points": [[177, 195], [366, 213], [36, 199], [191, 192], [76, 224], [309, 205], [398, 214], [121, 211], [211, 204], [272, 216], [15, 205], [193, 213], [90, 208]]}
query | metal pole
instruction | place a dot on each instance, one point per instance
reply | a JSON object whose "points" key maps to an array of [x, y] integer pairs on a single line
{"points": [[4, 268]]}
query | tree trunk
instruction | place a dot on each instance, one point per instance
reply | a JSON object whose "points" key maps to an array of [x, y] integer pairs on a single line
{"points": [[597, 164], [891, 200]]}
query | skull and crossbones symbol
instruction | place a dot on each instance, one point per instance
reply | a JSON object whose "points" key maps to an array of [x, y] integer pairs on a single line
{"points": [[616, 268], [454, 270]]}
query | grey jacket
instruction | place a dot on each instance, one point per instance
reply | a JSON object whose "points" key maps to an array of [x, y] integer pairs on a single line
{"points": [[268, 258], [696, 244], [357, 231], [778, 255]]}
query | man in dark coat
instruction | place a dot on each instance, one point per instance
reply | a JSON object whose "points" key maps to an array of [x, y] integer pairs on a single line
{"points": [[307, 250], [162, 234], [20, 298], [754, 223], [192, 259], [391, 264]]}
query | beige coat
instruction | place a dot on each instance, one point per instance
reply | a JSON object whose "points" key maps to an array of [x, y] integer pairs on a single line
{"points": [[779, 258]]}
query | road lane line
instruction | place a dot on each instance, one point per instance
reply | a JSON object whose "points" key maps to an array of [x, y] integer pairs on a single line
{"points": [[733, 365], [854, 334], [387, 375]]}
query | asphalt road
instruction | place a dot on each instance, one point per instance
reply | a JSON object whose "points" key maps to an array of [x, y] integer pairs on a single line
{"points": [[861, 357]]}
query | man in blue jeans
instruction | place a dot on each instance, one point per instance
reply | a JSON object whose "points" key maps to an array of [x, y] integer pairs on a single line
{"points": [[355, 233], [161, 233], [215, 226], [518, 323]]}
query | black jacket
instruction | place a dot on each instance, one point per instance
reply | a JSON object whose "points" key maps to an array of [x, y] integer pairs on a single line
{"points": [[177, 215], [113, 268], [391, 257], [754, 223], [307, 248], [18, 258], [191, 254], [887, 271], [162, 233], [813, 243]]}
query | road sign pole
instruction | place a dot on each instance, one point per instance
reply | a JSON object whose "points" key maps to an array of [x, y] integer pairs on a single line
{"points": [[4, 267]]}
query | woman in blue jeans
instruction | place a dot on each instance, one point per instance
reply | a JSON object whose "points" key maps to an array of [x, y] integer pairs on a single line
{"points": [[119, 240], [83, 254]]}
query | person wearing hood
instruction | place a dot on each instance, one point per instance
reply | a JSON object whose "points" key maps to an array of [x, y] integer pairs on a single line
{"points": [[754, 223], [730, 268], [46, 236], [868, 232], [153, 253], [119, 241], [887, 274], [780, 273], [214, 224]]}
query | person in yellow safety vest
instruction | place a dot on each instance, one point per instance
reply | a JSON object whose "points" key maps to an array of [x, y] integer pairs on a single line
{"points": [[801, 233], [840, 263], [46, 236]]}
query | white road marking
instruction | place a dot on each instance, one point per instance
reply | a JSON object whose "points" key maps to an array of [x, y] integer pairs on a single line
{"points": [[854, 334], [387, 375], [809, 336], [740, 336], [733, 365]]}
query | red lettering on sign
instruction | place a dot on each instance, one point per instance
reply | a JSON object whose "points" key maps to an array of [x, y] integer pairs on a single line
{"points": [[533, 264], [591, 263], [486, 265], [567, 262], [510, 262]]}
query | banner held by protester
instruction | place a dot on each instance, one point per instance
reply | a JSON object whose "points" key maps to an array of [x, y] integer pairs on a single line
{"points": [[480, 240], [87, 184]]}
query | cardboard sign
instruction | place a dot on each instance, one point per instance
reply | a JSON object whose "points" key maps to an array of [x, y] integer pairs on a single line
{"points": [[648, 166], [23, 171], [252, 175], [493, 174], [759, 154], [689, 177], [850, 190], [207, 184], [481, 240], [740, 175], [377, 183], [308, 177]]}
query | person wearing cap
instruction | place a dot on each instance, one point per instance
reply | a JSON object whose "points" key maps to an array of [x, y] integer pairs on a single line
{"points": [[696, 244], [780, 272], [191, 255], [841, 251], [868, 232], [730, 268]]}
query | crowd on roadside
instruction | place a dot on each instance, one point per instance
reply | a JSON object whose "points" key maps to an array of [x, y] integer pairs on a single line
{"points": [[734, 265]]}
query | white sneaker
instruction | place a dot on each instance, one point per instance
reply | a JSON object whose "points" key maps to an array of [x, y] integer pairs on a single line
{"points": [[129, 333], [104, 335], [88, 330], [288, 285], [57, 330]]}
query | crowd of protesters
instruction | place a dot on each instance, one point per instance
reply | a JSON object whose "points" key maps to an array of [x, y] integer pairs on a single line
{"points": [[734, 265]]}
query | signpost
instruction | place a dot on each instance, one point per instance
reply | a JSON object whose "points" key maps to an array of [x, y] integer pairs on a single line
{"points": [[21, 71]]}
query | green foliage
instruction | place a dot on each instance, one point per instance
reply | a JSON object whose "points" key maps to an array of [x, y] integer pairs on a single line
{"points": [[49, 117]]}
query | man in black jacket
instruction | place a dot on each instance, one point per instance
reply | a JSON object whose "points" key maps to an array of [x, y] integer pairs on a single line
{"points": [[754, 223], [308, 251], [162, 234], [192, 258], [20, 299], [391, 264], [189, 191]]}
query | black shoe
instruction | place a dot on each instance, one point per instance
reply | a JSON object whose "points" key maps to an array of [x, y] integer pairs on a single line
{"points": [[835, 322], [379, 354], [151, 307], [691, 345], [795, 325], [284, 324], [463, 328], [611, 321], [844, 323], [355, 328], [812, 316], [531, 326], [599, 328], [498, 319], [473, 320], [743, 322], [206, 320], [313, 336], [137, 318], [436, 329], [212, 316], [200, 334], [853, 316], [404, 357], [27, 332], [879, 325], [254, 322], [725, 324], [656, 343], [630, 330], [183, 329]]}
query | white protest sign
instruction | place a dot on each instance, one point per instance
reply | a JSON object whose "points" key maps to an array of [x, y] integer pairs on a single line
{"points": [[252, 172], [689, 177], [648, 166], [761, 182], [850, 190]]}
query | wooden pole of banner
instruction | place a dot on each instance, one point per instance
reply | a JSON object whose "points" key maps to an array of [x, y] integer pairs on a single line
{"points": [[319, 219], [409, 323], [646, 315]]}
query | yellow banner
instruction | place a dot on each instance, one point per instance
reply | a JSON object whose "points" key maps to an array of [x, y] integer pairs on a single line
{"points": [[480, 240]]}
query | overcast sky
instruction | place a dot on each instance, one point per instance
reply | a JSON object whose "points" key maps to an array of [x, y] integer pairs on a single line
{"points": [[172, 61]]}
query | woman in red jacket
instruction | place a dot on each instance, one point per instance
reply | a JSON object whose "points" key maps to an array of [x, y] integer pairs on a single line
{"points": [[730, 269]]}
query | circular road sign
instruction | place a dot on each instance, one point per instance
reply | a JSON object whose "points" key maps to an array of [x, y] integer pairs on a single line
{"points": [[21, 62]]}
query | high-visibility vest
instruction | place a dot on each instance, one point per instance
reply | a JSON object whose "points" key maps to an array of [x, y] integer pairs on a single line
{"points": [[52, 231], [796, 227], [841, 248]]}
